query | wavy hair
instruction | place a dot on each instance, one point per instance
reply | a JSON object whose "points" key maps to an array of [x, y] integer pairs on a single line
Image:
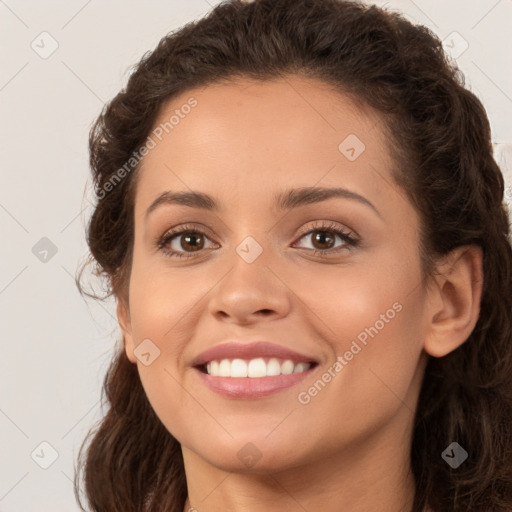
{"points": [[440, 139]]}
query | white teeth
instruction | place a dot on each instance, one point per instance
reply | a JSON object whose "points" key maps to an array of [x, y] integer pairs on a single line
{"points": [[300, 367], [273, 367], [254, 368], [287, 367], [238, 368], [224, 368], [257, 368]]}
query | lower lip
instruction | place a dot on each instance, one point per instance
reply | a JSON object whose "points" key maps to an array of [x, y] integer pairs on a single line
{"points": [[249, 388]]}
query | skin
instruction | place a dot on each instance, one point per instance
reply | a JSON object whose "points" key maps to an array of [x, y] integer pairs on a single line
{"points": [[348, 448]]}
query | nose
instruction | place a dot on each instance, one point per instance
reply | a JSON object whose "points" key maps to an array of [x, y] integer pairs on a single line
{"points": [[250, 292]]}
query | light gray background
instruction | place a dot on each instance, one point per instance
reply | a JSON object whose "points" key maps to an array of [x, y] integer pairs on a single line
{"points": [[56, 346]]}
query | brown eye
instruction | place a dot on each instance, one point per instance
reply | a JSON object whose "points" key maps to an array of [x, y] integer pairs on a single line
{"points": [[323, 238], [183, 242], [191, 240]]}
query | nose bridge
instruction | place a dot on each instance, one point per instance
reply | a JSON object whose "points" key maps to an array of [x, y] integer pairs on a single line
{"points": [[250, 261], [250, 286], [250, 236]]}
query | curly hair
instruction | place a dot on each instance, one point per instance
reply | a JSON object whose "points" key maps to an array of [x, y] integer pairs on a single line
{"points": [[441, 142]]}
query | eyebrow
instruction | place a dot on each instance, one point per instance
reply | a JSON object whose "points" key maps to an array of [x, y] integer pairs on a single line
{"points": [[292, 198]]}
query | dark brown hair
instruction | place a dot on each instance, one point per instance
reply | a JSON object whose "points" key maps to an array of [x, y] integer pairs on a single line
{"points": [[441, 142]]}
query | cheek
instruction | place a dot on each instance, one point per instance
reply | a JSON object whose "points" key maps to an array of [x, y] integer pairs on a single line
{"points": [[163, 310], [376, 332], [163, 300]]}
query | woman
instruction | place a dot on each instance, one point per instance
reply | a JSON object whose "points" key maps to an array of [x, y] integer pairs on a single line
{"points": [[303, 225]]}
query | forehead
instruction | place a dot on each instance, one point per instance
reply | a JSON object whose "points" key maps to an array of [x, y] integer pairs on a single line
{"points": [[249, 135]]}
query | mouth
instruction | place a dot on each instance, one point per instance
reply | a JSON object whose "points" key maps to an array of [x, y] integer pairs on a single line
{"points": [[250, 388], [256, 368], [250, 371]]}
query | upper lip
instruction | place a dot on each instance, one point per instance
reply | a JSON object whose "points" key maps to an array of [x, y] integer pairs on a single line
{"points": [[237, 350]]}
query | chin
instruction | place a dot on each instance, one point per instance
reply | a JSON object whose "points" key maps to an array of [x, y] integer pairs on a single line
{"points": [[253, 455]]}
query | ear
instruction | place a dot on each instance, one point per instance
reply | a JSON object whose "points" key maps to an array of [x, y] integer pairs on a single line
{"points": [[123, 317], [454, 300]]}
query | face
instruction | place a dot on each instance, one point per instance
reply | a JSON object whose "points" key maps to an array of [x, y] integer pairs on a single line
{"points": [[329, 280]]}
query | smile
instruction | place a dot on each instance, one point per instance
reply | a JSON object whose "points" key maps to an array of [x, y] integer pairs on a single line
{"points": [[254, 368], [251, 370]]}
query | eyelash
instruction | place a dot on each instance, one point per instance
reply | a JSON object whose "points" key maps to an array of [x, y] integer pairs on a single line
{"points": [[346, 236]]}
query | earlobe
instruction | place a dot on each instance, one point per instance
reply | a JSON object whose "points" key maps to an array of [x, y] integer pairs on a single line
{"points": [[454, 300], [123, 318]]}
